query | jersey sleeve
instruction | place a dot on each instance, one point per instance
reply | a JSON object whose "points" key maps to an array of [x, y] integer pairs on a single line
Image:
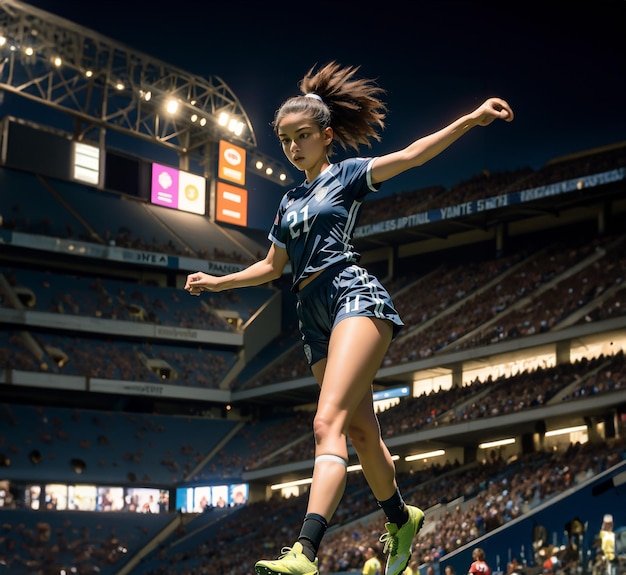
{"points": [[357, 177], [275, 234]]}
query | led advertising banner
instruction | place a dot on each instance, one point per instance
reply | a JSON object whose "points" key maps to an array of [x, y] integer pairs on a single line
{"points": [[86, 163], [179, 190], [231, 205], [231, 164]]}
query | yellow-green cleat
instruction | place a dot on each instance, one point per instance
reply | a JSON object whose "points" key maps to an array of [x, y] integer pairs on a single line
{"points": [[398, 542], [291, 562]]}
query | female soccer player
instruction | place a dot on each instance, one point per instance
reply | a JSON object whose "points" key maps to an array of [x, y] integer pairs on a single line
{"points": [[347, 318]]}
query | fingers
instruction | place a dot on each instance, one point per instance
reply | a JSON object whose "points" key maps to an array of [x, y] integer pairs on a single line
{"points": [[493, 109], [502, 108], [192, 283]]}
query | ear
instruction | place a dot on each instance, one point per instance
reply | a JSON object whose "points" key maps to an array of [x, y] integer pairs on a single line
{"points": [[327, 136]]}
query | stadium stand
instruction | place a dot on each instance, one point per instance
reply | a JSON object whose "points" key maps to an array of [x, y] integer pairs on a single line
{"points": [[131, 301], [133, 417], [577, 277], [114, 448]]}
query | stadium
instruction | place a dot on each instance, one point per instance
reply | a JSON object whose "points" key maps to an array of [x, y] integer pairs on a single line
{"points": [[143, 432]]}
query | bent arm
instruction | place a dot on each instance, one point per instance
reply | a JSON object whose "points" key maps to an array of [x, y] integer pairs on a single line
{"points": [[426, 148], [269, 268]]}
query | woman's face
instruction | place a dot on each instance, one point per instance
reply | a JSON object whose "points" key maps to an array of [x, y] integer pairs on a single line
{"points": [[304, 144]]}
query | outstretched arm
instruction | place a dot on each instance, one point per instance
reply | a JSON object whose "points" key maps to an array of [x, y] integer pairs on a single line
{"points": [[269, 268], [426, 148]]}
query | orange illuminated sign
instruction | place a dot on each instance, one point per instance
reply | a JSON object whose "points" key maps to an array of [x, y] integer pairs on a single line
{"points": [[231, 164], [231, 204]]}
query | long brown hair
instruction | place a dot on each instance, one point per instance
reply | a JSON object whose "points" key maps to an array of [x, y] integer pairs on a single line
{"points": [[351, 106]]}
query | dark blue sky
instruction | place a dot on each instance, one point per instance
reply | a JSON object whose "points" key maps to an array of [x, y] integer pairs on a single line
{"points": [[560, 66]]}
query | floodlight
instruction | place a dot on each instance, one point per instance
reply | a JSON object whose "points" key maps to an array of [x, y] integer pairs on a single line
{"points": [[425, 455], [565, 430], [496, 443], [171, 106]]}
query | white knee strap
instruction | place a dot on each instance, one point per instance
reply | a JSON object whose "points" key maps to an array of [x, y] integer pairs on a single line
{"points": [[334, 458]]}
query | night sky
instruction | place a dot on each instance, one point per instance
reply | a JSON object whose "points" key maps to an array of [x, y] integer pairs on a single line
{"points": [[561, 67]]}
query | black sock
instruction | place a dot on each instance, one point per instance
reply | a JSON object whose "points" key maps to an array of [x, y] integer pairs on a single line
{"points": [[311, 534], [395, 509]]}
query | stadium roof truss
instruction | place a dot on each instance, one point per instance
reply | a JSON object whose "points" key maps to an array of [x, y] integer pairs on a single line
{"points": [[104, 84]]}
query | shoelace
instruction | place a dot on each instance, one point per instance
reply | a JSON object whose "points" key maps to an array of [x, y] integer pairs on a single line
{"points": [[389, 540], [285, 551]]}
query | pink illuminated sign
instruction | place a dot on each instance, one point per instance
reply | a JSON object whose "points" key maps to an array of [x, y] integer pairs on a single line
{"points": [[176, 189]]}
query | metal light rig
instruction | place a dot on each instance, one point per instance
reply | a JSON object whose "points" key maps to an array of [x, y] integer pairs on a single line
{"points": [[103, 84]]}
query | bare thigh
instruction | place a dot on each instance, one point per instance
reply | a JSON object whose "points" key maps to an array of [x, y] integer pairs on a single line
{"points": [[356, 349]]}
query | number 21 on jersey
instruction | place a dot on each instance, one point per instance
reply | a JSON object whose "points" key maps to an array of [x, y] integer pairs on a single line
{"points": [[293, 219]]}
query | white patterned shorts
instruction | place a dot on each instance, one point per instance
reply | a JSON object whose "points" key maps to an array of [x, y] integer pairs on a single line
{"points": [[338, 293]]}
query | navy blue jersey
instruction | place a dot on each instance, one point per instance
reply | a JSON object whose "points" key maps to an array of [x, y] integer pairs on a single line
{"points": [[315, 221]]}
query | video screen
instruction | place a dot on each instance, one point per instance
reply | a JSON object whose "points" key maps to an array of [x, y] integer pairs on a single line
{"points": [[55, 497], [205, 498], [145, 500], [61, 497], [82, 497], [238, 494], [110, 499]]}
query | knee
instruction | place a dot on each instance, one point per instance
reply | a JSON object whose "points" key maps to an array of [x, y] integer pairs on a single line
{"points": [[322, 427]]}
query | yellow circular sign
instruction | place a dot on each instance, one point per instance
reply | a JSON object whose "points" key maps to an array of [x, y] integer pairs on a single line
{"points": [[191, 192]]}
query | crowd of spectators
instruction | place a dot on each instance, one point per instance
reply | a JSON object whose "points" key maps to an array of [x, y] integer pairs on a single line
{"points": [[135, 445], [35, 543], [552, 306], [493, 493], [467, 304], [491, 397], [464, 502], [106, 357], [100, 298], [480, 302], [122, 448], [15, 216], [487, 184], [495, 301]]}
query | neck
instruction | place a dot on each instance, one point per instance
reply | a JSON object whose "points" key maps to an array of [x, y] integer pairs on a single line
{"points": [[316, 170]]}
